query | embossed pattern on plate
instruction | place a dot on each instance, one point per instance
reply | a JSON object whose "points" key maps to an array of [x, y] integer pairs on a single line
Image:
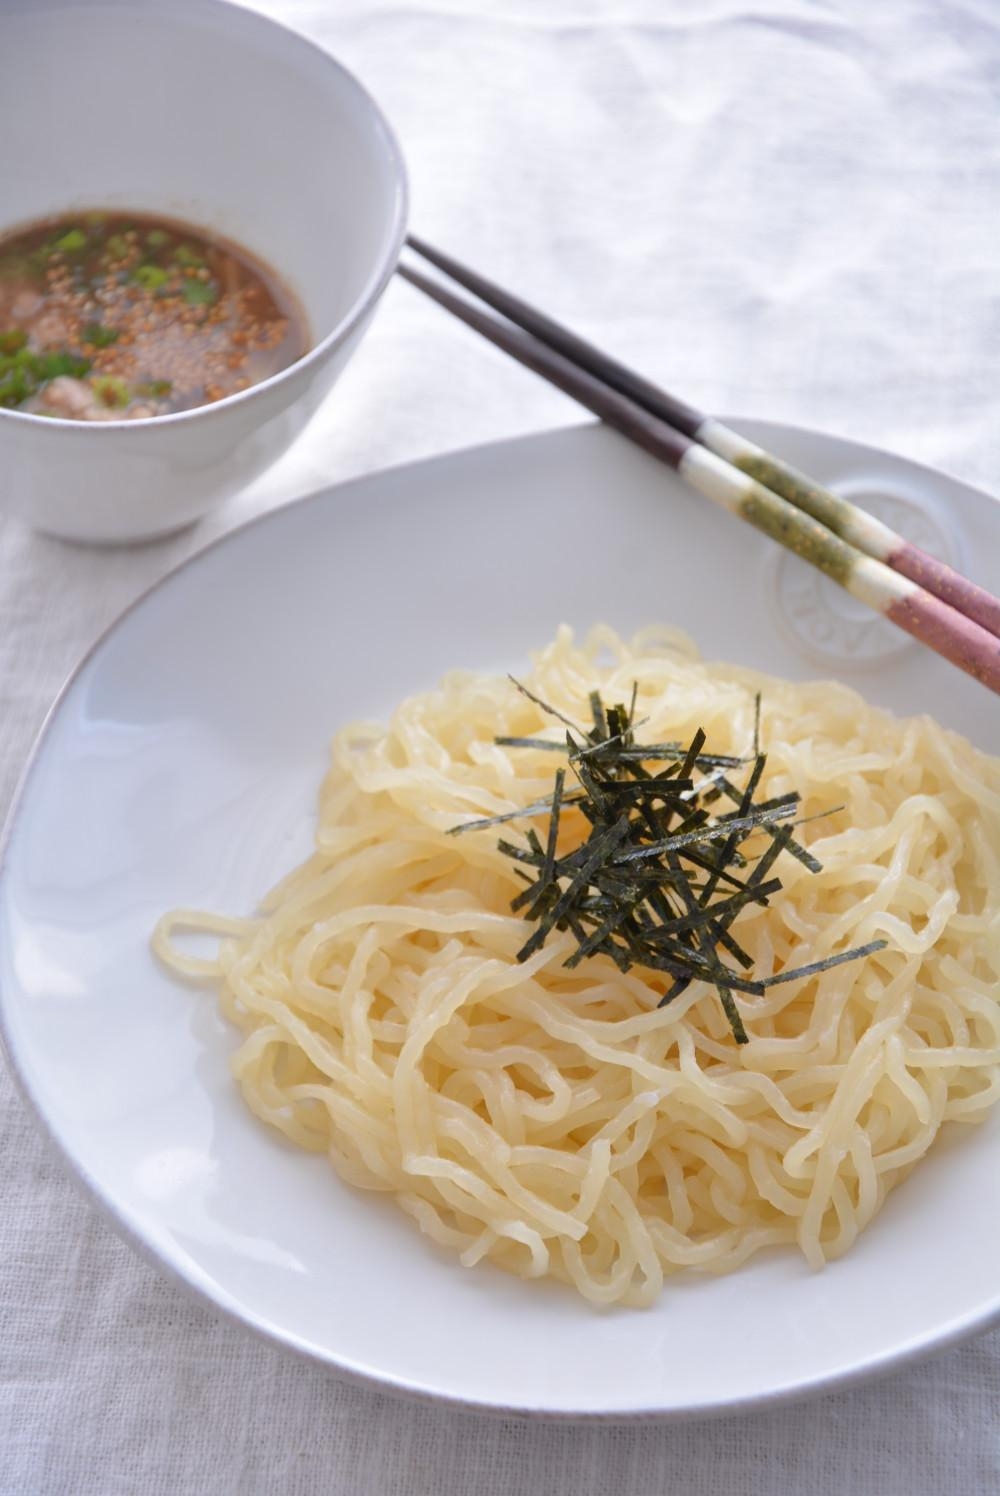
{"points": [[830, 625]]}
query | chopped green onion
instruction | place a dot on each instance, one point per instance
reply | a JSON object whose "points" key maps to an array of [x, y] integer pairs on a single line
{"points": [[13, 340], [189, 258], [116, 247], [52, 365], [199, 293], [15, 387], [99, 335], [23, 372], [154, 389], [157, 238], [71, 242], [111, 391], [150, 277]]}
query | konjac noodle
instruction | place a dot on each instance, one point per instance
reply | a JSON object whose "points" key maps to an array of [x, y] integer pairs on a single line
{"points": [[588, 1118], [112, 315]]}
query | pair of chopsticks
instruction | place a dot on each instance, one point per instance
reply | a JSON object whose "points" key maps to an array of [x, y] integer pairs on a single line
{"points": [[934, 603]]}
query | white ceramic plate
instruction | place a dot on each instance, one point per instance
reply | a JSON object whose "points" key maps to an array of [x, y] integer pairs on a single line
{"points": [[180, 766]]}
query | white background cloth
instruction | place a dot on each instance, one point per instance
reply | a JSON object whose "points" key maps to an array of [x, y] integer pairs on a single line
{"points": [[787, 208]]}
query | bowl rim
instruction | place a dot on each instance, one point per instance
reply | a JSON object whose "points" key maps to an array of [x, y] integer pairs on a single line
{"points": [[373, 287]]}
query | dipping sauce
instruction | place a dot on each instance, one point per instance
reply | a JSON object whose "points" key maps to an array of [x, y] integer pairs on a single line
{"points": [[111, 316]]}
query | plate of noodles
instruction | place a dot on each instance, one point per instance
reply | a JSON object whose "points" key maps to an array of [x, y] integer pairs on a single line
{"points": [[497, 928]]}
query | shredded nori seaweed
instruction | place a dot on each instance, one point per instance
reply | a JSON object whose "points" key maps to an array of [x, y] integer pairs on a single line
{"points": [[656, 882]]}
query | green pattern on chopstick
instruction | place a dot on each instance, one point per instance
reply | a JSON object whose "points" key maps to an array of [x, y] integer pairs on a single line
{"points": [[826, 507], [799, 533], [716, 478]]}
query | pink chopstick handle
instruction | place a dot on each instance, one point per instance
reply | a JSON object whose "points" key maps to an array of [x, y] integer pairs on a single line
{"points": [[951, 635], [935, 576]]}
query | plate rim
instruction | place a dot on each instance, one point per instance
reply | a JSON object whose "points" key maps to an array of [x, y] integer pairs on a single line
{"points": [[213, 1296]]}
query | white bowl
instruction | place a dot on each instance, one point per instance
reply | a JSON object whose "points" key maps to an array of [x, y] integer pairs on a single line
{"points": [[210, 113]]}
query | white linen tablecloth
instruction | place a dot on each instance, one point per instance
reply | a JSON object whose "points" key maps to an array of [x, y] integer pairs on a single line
{"points": [[787, 208]]}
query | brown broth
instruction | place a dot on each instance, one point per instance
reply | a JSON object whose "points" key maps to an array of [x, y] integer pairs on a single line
{"points": [[111, 316]]}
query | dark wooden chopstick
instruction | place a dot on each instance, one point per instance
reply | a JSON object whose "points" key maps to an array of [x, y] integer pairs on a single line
{"points": [[851, 523], [942, 627], [618, 410]]}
